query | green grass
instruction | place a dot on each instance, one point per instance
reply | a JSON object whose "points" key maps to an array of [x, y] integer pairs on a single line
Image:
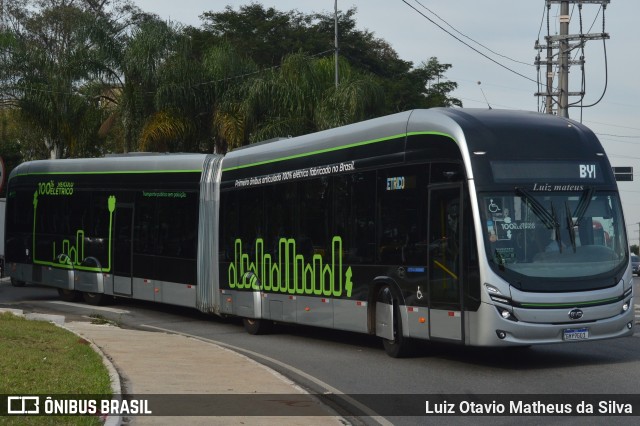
{"points": [[39, 358]]}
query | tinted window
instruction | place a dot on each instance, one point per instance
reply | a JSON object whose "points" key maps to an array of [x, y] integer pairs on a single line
{"points": [[355, 212], [167, 224], [314, 230], [403, 215], [281, 209]]}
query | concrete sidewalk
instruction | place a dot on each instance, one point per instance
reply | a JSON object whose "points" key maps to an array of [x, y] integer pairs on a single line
{"points": [[153, 363]]}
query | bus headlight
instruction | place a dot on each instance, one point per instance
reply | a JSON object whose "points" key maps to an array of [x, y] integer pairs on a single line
{"points": [[492, 289], [506, 313], [626, 306], [496, 296]]}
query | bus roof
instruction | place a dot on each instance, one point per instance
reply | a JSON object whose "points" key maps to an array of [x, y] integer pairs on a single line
{"points": [[151, 163], [499, 132]]}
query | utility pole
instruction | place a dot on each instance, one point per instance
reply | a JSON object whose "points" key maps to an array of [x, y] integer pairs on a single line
{"points": [[563, 76], [563, 44]]}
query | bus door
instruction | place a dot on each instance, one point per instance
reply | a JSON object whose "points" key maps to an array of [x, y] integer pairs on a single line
{"points": [[122, 250], [446, 313]]}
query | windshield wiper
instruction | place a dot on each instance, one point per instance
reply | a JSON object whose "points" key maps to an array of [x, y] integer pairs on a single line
{"points": [[571, 226], [583, 204], [581, 209], [549, 219], [556, 227]]}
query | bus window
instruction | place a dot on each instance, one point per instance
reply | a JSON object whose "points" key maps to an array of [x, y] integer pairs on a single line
{"points": [[314, 198], [354, 220], [280, 207], [403, 215]]}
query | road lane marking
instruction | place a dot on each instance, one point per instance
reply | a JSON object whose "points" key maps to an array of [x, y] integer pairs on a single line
{"points": [[92, 307]]}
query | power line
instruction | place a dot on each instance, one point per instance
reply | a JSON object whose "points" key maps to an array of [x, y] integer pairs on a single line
{"points": [[468, 45], [471, 39]]}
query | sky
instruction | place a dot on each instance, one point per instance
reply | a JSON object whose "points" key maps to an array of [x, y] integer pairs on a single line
{"points": [[503, 74]]}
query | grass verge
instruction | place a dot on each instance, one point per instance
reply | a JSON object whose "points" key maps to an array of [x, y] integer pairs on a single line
{"points": [[39, 358]]}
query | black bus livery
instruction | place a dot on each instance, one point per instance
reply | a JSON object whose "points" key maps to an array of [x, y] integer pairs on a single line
{"points": [[476, 227]]}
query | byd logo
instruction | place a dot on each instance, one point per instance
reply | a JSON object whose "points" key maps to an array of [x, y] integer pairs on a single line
{"points": [[587, 171], [576, 314]]}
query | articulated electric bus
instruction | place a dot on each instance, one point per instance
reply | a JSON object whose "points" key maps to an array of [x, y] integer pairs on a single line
{"points": [[477, 227]]}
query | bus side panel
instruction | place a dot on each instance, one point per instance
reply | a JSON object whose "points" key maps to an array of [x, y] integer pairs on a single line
{"points": [[350, 315], [143, 289], [90, 282], [175, 294], [280, 307], [316, 311]]}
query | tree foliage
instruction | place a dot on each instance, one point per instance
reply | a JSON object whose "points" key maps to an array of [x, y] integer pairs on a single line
{"points": [[298, 97], [94, 76]]}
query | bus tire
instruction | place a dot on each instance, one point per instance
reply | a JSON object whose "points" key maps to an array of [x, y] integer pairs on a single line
{"points": [[17, 283], [68, 295], [95, 299], [256, 326], [400, 346]]}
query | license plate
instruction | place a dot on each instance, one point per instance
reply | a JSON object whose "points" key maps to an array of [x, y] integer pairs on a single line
{"points": [[576, 334]]}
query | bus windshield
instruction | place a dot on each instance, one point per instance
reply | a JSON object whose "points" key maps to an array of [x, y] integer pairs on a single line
{"points": [[553, 234]]}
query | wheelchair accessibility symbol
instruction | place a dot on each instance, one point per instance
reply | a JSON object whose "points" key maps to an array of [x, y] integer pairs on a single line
{"points": [[493, 207]]}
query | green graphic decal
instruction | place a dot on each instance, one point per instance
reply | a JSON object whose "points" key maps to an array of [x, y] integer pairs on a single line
{"points": [[50, 188], [72, 255], [291, 273], [181, 194]]}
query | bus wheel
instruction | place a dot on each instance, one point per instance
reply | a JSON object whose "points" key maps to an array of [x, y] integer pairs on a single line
{"points": [[17, 283], [95, 299], [68, 295], [256, 326], [400, 346]]}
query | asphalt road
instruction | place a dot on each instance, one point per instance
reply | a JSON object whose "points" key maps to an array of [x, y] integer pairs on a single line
{"points": [[326, 361]]}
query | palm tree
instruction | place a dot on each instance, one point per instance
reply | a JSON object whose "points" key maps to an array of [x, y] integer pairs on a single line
{"points": [[229, 72], [298, 97], [189, 91], [132, 78]]}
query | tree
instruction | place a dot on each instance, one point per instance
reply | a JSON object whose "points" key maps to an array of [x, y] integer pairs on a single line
{"points": [[264, 35], [96, 76], [53, 58], [296, 98], [192, 85], [268, 35], [133, 55], [9, 143], [48, 56], [436, 91]]}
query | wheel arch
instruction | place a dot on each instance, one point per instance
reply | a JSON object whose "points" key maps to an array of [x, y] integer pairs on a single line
{"points": [[374, 289]]}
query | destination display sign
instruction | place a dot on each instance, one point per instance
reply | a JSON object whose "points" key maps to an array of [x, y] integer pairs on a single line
{"points": [[550, 171]]}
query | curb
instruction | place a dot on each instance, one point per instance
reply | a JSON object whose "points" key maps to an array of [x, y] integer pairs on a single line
{"points": [[114, 377]]}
